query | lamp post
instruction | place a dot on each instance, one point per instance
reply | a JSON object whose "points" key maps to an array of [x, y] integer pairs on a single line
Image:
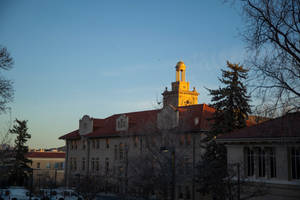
{"points": [[239, 185], [173, 183]]}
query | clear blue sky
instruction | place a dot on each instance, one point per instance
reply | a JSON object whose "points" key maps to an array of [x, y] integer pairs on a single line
{"points": [[105, 57]]}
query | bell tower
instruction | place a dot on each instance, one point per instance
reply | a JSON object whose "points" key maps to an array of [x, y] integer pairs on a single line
{"points": [[180, 95]]}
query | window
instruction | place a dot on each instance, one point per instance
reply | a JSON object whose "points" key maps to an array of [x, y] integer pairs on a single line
{"points": [[261, 163], [114, 170], [135, 141], [122, 123], [180, 194], [74, 164], [107, 143], [181, 141], [116, 152], [93, 144], [187, 192], [48, 165], [272, 163], [126, 151], [106, 165], [250, 161], [83, 144], [121, 171], [121, 151], [295, 156], [187, 139], [71, 163], [83, 164], [97, 144], [187, 165], [97, 164], [93, 164], [38, 165], [56, 165]]}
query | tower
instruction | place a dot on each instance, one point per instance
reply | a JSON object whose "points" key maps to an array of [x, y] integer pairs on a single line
{"points": [[180, 95]]}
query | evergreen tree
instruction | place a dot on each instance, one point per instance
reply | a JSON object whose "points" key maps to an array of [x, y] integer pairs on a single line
{"points": [[19, 170], [231, 102], [232, 108]]}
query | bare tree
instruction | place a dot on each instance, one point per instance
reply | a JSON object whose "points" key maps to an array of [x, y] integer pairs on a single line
{"points": [[165, 161], [6, 89], [6, 152], [88, 187], [272, 33]]}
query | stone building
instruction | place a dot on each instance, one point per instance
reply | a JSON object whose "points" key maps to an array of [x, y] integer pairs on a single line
{"points": [[102, 147], [268, 152]]}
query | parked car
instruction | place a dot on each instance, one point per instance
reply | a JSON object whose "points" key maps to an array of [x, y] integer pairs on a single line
{"points": [[16, 193]]}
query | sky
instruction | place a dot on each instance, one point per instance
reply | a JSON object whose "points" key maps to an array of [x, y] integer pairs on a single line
{"points": [[100, 58]]}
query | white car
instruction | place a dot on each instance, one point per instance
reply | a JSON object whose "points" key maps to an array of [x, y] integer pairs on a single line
{"points": [[16, 193]]}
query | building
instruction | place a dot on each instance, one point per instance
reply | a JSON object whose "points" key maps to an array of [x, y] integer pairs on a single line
{"points": [[101, 147], [48, 167], [269, 152]]}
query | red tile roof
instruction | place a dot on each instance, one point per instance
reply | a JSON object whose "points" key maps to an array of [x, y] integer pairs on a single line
{"points": [[72, 135], [45, 155], [143, 121], [285, 126]]}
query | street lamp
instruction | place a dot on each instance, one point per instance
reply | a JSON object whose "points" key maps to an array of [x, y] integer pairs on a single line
{"points": [[172, 150]]}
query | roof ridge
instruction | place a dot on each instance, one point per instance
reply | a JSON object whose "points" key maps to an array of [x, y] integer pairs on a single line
{"points": [[143, 111]]}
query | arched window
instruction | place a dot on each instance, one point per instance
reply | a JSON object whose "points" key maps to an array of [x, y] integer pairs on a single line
{"points": [[121, 149]]}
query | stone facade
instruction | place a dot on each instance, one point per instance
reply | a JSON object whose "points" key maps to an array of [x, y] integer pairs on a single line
{"points": [[105, 147]]}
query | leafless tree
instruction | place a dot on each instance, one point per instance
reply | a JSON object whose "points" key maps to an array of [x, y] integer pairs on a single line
{"points": [[6, 151], [272, 34], [6, 89], [88, 187], [164, 163]]}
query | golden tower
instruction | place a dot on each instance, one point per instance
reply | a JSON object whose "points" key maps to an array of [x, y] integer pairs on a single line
{"points": [[180, 95]]}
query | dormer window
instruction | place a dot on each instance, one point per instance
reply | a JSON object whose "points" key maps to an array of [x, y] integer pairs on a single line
{"points": [[122, 123]]}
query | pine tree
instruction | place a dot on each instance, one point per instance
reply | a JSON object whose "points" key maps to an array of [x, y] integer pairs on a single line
{"points": [[231, 102], [232, 109], [19, 170]]}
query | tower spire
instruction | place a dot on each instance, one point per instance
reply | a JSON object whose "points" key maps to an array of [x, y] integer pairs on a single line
{"points": [[180, 94], [180, 71]]}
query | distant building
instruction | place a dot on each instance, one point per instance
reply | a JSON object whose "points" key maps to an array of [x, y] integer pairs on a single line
{"points": [[48, 167], [269, 152]]}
